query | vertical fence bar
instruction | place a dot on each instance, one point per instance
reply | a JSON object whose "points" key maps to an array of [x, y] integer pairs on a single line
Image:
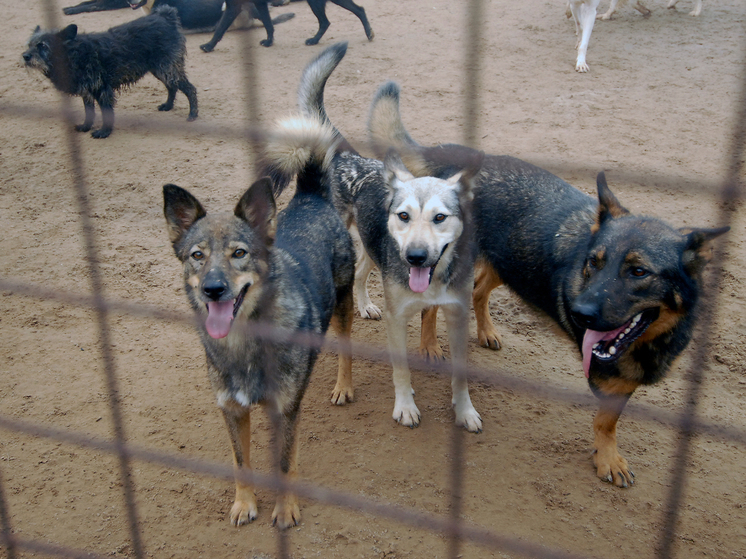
{"points": [[91, 249], [730, 192], [6, 532]]}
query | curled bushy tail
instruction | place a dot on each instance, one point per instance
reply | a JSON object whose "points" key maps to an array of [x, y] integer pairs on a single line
{"points": [[169, 13], [302, 146], [313, 80]]}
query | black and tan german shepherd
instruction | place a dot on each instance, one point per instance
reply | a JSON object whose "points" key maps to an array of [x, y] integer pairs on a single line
{"points": [[293, 271], [624, 287]]}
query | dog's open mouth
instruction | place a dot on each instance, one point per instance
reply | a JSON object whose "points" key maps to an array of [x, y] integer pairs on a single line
{"points": [[420, 278], [220, 315], [138, 4], [609, 346]]}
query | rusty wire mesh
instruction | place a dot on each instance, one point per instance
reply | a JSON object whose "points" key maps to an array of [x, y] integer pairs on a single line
{"points": [[451, 526]]}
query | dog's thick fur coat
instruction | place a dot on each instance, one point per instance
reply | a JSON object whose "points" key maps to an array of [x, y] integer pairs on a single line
{"points": [[293, 271], [96, 66], [624, 287], [417, 231]]}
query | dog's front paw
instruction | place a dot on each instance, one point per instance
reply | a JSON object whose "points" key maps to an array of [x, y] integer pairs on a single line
{"points": [[101, 133], [582, 67], [243, 512], [370, 311], [490, 338], [166, 107], [431, 352], [407, 414], [207, 47], [612, 467], [286, 513], [266, 42], [468, 418], [83, 127], [342, 394]]}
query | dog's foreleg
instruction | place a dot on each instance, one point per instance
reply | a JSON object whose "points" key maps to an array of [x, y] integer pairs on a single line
{"points": [[429, 345], [244, 508], [359, 11], [695, 12], [262, 10], [363, 267], [106, 103], [642, 9], [457, 322], [318, 7], [232, 9], [586, 19], [287, 510], [342, 324], [90, 113], [405, 410], [610, 465], [610, 11]]}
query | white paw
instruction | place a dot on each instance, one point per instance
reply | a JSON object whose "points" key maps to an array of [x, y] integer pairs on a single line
{"points": [[406, 413], [582, 67], [370, 311], [469, 419]]}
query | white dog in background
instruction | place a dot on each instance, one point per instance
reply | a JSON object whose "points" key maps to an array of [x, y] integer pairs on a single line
{"points": [[584, 12]]}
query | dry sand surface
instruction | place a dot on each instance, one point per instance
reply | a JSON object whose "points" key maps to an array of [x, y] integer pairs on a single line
{"points": [[657, 112]]}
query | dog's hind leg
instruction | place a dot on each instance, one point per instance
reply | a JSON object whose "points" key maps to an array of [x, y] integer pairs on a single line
{"points": [[457, 322], [262, 10], [486, 280], [318, 7], [180, 83], [244, 508], [429, 345], [90, 113], [359, 11], [610, 465], [344, 312]]}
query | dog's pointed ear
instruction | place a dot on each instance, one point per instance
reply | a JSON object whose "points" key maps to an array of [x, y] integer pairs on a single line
{"points": [[698, 248], [608, 206], [393, 167], [181, 209], [69, 32], [466, 175], [257, 208], [38, 28]]}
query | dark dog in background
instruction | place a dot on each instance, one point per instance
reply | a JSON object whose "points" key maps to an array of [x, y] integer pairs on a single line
{"points": [[96, 6], [293, 271], [233, 9], [201, 16], [95, 66], [624, 287]]}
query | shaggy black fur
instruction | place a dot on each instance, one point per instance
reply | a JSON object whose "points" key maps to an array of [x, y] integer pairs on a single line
{"points": [[95, 66]]}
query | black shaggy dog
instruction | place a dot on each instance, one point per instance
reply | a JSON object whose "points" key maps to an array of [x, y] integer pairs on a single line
{"points": [[95, 66]]}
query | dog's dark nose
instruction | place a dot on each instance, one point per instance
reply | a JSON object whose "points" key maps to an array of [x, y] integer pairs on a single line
{"points": [[585, 315], [26, 57], [214, 289], [416, 256]]}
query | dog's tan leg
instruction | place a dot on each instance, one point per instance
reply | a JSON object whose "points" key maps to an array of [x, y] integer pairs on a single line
{"points": [[642, 9], [429, 346], [457, 322], [244, 509], [610, 465], [342, 324], [287, 510], [609, 12], [486, 281]]}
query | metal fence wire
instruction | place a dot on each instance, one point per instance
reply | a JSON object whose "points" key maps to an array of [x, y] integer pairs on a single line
{"points": [[451, 526]]}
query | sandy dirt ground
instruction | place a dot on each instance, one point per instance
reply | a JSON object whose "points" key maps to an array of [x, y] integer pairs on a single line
{"points": [[656, 112]]}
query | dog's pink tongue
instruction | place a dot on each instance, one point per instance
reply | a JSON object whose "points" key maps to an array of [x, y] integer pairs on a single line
{"points": [[219, 318], [591, 338], [419, 279]]}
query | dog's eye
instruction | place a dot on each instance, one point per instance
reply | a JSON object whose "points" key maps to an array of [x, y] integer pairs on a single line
{"points": [[592, 262], [440, 218], [198, 255], [639, 272], [404, 216], [239, 253]]}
